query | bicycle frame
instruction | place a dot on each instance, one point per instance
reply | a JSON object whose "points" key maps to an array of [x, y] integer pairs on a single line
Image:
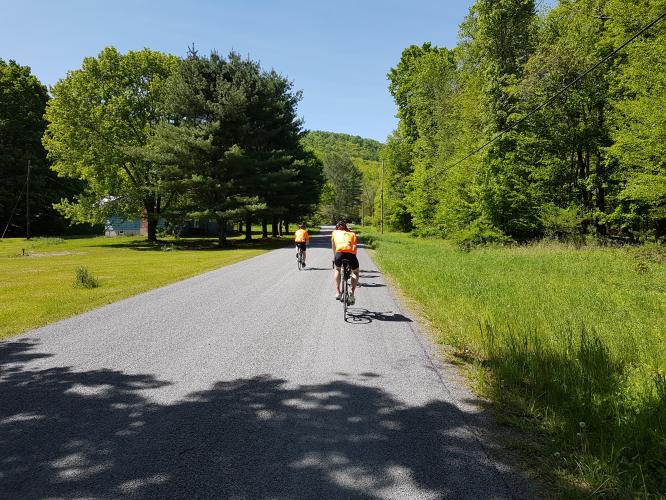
{"points": [[346, 274]]}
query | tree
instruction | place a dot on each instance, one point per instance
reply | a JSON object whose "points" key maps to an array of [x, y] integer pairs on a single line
{"points": [[344, 191], [99, 121], [638, 122], [234, 138], [364, 153], [22, 103]]}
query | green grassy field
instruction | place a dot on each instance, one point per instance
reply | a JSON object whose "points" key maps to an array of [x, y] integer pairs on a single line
{"points": [[571, 343], [38, 288]]}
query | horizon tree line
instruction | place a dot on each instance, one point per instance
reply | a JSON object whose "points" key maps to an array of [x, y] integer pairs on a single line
{"points": [[147, 134]]}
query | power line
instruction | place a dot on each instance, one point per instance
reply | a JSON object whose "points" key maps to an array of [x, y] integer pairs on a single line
{"points": [[563, 89]]}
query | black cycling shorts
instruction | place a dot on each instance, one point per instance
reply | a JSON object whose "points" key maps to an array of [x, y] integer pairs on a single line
{"points": [[302, 246], [340, 256]]}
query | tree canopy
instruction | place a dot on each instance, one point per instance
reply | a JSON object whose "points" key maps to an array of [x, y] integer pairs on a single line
{"points": [[23, 100], [588, 163], [204, 137], [352, 172]]}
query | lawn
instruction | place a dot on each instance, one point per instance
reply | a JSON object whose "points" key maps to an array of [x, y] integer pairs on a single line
{"points": [[38, 288], [571, 342]]}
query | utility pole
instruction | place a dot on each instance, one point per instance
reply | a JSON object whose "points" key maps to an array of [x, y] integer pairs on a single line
{"points": [[27, 204], [382, 197]]}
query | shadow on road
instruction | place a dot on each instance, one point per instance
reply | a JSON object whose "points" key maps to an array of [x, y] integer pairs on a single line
{"points": [[363, 316], [365, 284], [96, 433]]}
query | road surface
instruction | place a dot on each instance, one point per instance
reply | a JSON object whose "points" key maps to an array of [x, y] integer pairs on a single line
{"points": [[242, 383]]}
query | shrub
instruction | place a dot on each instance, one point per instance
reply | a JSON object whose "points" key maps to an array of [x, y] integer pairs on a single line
{"points": [[479, 233], [83, 278], [561, 223]]}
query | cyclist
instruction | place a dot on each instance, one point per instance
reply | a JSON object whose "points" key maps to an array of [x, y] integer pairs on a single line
{"points": [[343, 242], [302, 239]]}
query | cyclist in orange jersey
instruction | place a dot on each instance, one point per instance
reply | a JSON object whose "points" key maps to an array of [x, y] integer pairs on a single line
{"points": [[343, 242], [302, 239]]}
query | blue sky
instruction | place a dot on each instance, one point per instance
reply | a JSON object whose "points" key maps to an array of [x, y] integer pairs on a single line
{"points": [[337, 52]]}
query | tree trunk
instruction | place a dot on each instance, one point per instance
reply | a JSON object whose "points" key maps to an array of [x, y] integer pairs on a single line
{"points": [[240, 226], [274, 226], [248, 229], [222, 232], [581, 174], [601, 193], [286, 227], [152, 216], [264, 227], [152, 229]]}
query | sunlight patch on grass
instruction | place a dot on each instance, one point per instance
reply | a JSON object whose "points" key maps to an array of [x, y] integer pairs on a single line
{"points": [[37, 276]]}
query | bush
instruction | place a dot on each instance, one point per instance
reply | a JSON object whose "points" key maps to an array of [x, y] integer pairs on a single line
{"points": [[478, 233], [83, 278], [561, 223]]}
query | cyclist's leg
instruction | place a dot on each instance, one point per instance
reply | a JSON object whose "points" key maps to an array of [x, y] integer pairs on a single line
{"points": [[301, 249], [336, 274], [355, 272]]}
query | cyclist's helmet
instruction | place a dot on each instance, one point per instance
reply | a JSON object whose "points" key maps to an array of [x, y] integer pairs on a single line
{"points": [[341, 225], [301, 226]]}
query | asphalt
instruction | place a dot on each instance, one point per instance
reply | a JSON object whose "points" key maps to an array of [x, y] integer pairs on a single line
{"points": [[244, 383]]}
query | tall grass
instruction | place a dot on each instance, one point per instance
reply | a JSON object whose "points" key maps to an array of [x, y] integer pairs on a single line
{"points": [[573, 339]]}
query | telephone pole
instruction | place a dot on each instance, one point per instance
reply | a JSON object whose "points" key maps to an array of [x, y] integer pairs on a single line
{"points": [[382, 197], [27, 204]]}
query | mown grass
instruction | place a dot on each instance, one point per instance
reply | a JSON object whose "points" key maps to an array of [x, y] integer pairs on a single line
{"points": [[570, 341], [40, 287]]}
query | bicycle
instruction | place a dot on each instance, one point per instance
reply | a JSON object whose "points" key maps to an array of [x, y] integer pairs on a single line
{"points": [[300, 260], [344, 288]]}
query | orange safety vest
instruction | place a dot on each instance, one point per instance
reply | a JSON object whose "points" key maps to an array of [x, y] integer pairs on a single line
{"points": [[345, 241], [301, 236]]}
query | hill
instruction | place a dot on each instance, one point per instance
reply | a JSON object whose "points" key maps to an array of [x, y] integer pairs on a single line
{"points": [[354, 146]]}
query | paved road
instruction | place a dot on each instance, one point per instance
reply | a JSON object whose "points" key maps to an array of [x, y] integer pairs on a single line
{"points": [[241, 383]]}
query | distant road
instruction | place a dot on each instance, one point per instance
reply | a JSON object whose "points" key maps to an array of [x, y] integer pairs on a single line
{"points": [[242, 383]]}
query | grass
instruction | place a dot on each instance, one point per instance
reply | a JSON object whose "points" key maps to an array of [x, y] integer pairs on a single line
{"points": [[570, 342], [41, 286]]}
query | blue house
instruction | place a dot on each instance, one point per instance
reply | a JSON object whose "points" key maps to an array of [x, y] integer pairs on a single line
{"points": [[117, 226]]}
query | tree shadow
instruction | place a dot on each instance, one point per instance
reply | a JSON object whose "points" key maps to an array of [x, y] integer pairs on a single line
{"points": [[100, 433], [201, 244]]}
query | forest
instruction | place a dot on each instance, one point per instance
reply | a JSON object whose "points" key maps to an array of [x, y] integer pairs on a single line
{"points": [[489, 149], [352, 174]]}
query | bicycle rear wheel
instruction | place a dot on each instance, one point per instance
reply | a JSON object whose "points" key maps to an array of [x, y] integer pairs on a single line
{"points": [[300, 259]]}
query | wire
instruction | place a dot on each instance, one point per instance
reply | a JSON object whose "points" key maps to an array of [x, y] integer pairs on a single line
{"points": [[563, 89]]}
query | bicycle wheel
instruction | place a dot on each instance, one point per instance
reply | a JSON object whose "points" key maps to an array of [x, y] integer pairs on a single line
{"points": [[300, 259]]}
